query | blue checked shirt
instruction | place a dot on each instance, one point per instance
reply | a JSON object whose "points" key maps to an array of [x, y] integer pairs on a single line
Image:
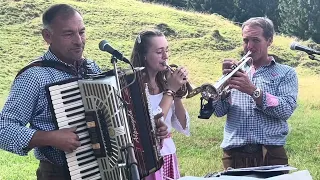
{"points": [[27, 103], [249, 124]]}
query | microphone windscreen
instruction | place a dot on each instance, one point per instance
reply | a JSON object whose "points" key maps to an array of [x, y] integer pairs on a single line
{"points": [[293, 46], [104, 46]]}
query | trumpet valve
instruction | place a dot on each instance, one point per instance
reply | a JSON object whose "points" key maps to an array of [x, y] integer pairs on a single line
{"points": [[233, 66]]}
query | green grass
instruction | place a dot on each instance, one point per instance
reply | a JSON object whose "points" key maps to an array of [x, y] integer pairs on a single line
{"points": [[193, 45]]}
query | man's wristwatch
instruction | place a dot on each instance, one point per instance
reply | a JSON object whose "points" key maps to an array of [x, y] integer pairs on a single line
{"points": [[256, 93]]}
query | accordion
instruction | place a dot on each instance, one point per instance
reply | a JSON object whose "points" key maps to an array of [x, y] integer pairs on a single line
{"points": [[106, 122]]}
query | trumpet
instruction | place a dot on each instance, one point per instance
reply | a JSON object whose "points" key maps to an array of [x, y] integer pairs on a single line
{"points": [[215, 91], [186, 88]]}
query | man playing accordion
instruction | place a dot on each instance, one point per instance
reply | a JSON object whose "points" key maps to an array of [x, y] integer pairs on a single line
{"points": [[64, 31]]}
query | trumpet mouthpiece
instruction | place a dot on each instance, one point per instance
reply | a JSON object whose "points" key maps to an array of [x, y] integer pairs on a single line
{"points": [[164, 63]]}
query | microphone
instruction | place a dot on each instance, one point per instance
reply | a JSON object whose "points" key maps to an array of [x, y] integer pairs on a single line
{"points": [[296, 46], [105, 46]]}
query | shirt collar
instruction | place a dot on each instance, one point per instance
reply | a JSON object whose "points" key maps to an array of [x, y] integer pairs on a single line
{"points": [[272, 60], [49, 55], [52, 57], [78, 67]]}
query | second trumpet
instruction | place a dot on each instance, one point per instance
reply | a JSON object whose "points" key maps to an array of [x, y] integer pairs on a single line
{"points": [[214, 92]]}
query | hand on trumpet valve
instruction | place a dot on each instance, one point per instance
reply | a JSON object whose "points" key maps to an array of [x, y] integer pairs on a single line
{"points": [[239, 79], [177, 78], [241, 82], [228, 65]]}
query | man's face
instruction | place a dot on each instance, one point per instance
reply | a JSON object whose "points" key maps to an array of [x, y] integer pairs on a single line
{"points": [[254, 41], [66, 37]]}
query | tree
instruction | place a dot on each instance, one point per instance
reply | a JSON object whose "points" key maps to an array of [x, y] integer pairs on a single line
{"points": [[315, 20], [300, 18], [245, 9]]}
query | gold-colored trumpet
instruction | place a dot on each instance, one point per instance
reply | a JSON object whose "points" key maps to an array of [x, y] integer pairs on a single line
{"points": [[215, 91], [186, 88]]}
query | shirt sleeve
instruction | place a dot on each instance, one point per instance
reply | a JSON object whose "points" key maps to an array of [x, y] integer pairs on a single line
{"points": [[271, 100], [95, 68], [284, 103], [221, 108], [177, 125], [17, 112]]}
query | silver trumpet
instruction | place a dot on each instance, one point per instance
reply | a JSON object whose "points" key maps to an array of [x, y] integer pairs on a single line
{"points": [[221, 87]]}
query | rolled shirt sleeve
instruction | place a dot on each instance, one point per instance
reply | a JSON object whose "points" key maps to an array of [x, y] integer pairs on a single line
{"points": [[282, 105]]}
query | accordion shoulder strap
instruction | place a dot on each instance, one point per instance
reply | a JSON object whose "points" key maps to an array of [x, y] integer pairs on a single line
{"points": [[47, 63]]}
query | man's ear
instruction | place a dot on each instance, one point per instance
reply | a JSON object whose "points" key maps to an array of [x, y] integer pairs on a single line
{"points": [[270, 41], [46, 34]]}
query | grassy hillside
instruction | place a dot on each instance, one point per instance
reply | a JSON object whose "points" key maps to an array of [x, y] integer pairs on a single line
{"points": [[197, 41]]}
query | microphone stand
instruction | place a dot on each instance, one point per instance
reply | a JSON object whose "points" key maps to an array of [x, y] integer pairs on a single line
{"points": [[131, 162], [114, 62]]}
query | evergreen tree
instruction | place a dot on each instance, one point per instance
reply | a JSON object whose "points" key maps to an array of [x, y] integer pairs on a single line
{"points": [[315, 20], [300, 18], [245, 9]]}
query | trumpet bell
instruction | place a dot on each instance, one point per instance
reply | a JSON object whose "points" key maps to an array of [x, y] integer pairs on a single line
{"points": [[209, 92]]}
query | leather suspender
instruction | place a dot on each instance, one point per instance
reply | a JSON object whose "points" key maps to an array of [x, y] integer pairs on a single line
{"points": [[47, 63]]}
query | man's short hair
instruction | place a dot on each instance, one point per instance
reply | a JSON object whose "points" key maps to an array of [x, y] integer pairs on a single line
{"points": [[56, 10], [265, 23]]}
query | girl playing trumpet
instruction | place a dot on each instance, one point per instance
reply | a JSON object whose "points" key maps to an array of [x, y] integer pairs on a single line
{"points": [[151, 51]]}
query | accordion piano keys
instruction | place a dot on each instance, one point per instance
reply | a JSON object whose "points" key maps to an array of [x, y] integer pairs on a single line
{"points": [[66, 104]]}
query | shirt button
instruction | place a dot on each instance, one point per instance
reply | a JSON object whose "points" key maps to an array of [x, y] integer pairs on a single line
{"points": [[251, 100]]}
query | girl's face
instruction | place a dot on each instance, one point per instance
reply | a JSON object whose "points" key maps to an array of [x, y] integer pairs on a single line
{"points": [[157, 53]]}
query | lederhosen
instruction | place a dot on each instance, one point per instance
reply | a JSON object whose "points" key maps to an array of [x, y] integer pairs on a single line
{"points": [[253, 155]]}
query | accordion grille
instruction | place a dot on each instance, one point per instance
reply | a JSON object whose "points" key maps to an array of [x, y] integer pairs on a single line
{"points": [[103, 97]]}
